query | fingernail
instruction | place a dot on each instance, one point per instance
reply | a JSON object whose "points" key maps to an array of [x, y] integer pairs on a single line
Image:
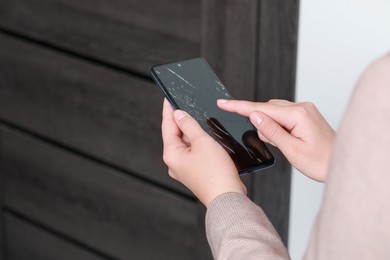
{"points": [[179, 114], [222, 101], [255, 118]]}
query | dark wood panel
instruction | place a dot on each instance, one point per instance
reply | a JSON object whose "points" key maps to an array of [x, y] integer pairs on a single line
{"points": [[229, 37], [130, 33], [278, 30], [2, 255], [251, 44], [229, 31], [27, 242], [103, 208], [107, 114], [278, 38]]}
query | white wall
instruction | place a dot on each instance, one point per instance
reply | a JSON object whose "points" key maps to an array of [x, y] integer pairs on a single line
{"points": [[337, 40]]}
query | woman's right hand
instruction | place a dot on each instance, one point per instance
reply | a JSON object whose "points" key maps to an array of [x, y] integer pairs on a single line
{"points": [[297, 129]]}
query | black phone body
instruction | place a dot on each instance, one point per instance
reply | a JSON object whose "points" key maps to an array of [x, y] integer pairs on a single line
{"points": [[191, 85]]}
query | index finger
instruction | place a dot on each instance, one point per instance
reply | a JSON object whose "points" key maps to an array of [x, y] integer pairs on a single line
{"points": [[278, 112]]}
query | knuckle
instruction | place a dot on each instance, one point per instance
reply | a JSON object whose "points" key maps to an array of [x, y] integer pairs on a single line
{"points": [[270, 131], [168, 158], [172, 174], [300, 110], [258, 105], [309, 106], [304, 109], [186, 123], [240, 108], [243, 107]]}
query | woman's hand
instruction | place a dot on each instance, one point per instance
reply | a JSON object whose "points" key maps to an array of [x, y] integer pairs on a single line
{"points": [[195, 159], [297, 129]]}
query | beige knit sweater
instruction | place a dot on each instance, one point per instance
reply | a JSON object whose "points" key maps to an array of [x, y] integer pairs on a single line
{"points": [[354, 220]]}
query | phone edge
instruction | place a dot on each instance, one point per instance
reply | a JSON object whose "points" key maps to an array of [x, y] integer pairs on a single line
{"points": [[166, 94], [162, 88]]}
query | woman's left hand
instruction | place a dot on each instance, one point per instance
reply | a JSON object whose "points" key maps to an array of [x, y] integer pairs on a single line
{"points": [[195, 159]]}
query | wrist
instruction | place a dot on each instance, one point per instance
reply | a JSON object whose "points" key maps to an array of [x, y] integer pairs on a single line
{"points": [[219, 191]]}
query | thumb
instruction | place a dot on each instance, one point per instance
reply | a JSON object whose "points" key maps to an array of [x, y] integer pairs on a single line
{"points": [[188, 125], [271, 130]]}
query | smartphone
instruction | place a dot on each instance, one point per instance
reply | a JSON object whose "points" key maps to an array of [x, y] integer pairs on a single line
{"points": [[192, 85]]}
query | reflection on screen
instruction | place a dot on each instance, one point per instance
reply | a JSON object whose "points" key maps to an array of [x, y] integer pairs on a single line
{"points": [[194, 87]]}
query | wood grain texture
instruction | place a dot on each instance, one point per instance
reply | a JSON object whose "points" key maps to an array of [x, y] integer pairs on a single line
{"points": [[2, 240], [229, 43], [229, 31], [114, 117], [103, 208], [278, 38], [252, 45], [278, 30], [106, 114], [27, 242], [130, 33]]}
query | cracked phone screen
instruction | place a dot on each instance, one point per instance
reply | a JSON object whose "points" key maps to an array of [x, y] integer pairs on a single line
{"points": [[191, 85]]}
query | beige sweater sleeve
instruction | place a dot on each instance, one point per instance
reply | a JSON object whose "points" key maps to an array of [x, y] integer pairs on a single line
{"points": [[237, 228], [354, 220]]}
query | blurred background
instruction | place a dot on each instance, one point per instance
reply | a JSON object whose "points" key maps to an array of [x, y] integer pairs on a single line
{"points": [[337, 41], [80, 143]]}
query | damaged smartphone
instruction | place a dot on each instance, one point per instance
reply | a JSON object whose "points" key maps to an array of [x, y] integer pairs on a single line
{"points": [[191, 85]]}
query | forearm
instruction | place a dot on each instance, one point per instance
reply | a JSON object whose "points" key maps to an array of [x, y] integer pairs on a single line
{"points": [[238, 229]]}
